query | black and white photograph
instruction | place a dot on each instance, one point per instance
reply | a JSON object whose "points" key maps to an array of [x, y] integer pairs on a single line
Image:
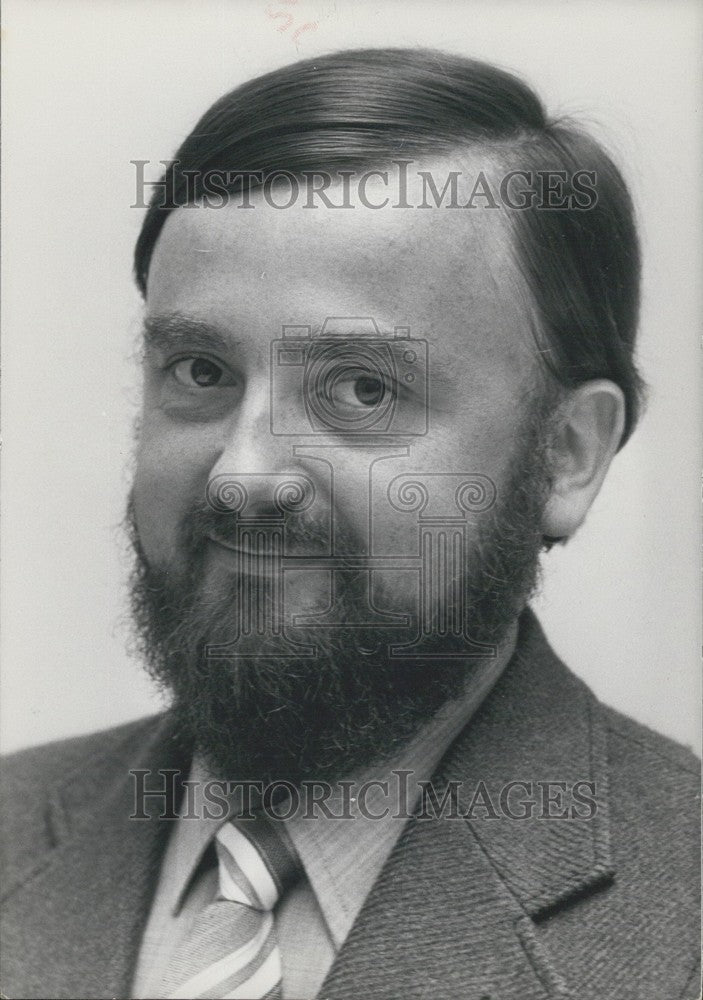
{"points": [[351, 504]]}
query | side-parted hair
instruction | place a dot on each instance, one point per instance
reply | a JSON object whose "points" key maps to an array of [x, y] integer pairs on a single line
{"points": [[356, 110]]}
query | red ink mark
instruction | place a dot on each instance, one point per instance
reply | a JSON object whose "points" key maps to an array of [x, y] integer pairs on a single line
{"points": [[276, 14], [281, 13], [310, 26]]}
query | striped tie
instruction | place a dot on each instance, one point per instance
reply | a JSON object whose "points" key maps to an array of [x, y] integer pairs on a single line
{"points": [[231, 952]]}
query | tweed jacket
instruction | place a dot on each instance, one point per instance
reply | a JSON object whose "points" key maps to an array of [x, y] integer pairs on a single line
{"points": [[480, 907]]}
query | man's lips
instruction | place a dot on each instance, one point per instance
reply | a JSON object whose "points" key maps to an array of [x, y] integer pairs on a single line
{"points": [[246, 560]]}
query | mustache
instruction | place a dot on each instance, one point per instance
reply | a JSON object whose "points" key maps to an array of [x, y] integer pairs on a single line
{"points": [[304, 531]]}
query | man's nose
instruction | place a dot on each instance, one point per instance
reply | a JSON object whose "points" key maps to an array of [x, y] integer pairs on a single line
{"points": [[252, 462]]}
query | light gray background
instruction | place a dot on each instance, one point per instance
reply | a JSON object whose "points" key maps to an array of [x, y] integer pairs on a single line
{"points": [[90, 86]]}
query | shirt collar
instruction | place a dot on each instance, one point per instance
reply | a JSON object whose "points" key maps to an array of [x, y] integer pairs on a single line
{"points": [[342, 857]]}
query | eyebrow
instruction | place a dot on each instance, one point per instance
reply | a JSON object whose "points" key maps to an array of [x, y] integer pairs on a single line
{"points": [[174, 330]]}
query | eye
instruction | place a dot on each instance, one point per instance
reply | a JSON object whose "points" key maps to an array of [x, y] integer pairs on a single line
{"points": [[351, 389], [200, 373], [369, 390]]}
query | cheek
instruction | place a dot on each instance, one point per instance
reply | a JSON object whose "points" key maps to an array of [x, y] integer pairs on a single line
{"points": [[475, 436], [171, 475]]}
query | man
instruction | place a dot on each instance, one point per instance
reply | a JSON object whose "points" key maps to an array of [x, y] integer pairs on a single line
{"points": [[390, 313]]}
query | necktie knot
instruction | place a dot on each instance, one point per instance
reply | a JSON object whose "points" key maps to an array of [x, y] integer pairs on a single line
{"points": [[256, 865], [232, 951]]}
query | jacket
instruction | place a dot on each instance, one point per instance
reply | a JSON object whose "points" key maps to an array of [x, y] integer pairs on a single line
{"points": [[471, 905]]}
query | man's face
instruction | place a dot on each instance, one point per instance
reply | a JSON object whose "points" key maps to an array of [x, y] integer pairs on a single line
{"points": [[222, 285]]}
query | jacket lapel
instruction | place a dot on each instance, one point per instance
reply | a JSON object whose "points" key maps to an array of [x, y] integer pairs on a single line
{"points": [[98, 881], [454, 911]]}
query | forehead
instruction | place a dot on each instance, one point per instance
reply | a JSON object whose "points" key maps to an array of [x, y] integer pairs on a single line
{"points": [[449, 274]]}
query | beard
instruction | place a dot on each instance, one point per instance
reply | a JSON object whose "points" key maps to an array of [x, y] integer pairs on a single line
{"points": [[327, 716]]}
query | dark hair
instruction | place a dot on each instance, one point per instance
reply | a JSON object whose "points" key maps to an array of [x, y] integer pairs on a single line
{"points": [[354, 110]]}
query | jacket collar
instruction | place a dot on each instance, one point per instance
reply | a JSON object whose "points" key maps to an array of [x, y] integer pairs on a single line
{"points": [[541, 726]]}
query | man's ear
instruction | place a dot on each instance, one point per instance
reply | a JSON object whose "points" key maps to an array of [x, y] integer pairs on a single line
{"points": [[587, 434]]}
